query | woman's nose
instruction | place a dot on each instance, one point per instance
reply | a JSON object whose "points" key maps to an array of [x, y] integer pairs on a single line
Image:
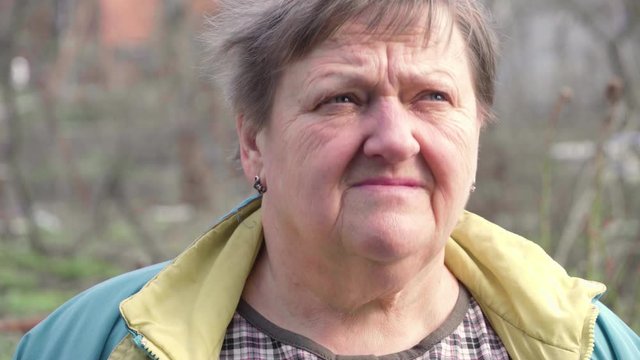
{"points": [[391, 133]]}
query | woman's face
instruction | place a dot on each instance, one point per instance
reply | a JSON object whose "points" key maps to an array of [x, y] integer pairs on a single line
{"points": [[371, 147]]}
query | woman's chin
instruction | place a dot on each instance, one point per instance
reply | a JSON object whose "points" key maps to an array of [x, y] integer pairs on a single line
{"points": [[387, 245]]}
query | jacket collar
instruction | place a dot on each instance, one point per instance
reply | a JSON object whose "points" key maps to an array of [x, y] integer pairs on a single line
{"points": [[535, 307], [183, 312]]}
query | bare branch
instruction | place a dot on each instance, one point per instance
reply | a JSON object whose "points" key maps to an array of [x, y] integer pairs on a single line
{"points": [[14, 129]]}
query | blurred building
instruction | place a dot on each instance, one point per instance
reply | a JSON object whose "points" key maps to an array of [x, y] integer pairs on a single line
{"points": [[134, 35], [127, 23]]}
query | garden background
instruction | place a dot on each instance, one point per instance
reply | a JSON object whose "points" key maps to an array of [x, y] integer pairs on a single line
{"points": [[115, 144]]}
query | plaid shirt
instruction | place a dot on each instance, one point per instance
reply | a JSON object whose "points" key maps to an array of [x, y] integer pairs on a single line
{"points": [[466, 334]]}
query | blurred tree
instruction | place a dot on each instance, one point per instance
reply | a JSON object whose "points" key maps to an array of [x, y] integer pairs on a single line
{"points": [[12, 146]]}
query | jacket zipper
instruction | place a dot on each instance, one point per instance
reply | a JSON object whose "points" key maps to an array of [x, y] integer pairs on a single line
{"points": [[138, 339]]}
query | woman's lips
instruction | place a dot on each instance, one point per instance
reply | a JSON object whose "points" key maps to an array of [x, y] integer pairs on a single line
{"points": [[390, 182]]}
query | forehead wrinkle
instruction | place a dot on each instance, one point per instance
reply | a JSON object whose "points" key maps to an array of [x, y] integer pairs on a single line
{"points": [[414, 36], [408, 73], [449, 58], [356, 33], [410, 68], [349, 68]]}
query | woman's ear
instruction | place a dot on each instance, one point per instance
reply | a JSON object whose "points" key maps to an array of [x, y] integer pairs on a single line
{"points": [[250, 152]]}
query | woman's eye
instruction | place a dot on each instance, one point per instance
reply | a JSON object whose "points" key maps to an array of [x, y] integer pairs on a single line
{"points": [[436, 96], [339, 103], [342, 99]]}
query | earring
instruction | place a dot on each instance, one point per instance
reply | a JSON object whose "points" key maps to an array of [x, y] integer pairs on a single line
{"points": [[473, 186], [257, 184]]}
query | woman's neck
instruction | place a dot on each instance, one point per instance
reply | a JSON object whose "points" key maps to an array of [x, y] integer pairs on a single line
{"points": [[351, 307]]}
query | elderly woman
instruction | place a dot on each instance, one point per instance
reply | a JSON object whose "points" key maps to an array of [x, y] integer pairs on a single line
{"points": [[358, 124]]}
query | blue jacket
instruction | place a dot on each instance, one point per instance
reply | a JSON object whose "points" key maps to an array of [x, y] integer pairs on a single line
{"points": [[142, 313]]}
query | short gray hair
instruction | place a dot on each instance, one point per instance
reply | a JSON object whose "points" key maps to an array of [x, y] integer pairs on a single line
{"points": [[251, 41]]}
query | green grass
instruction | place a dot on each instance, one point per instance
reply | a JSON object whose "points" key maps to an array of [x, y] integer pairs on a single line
{"points": [[7, 345], [23, 303]]}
